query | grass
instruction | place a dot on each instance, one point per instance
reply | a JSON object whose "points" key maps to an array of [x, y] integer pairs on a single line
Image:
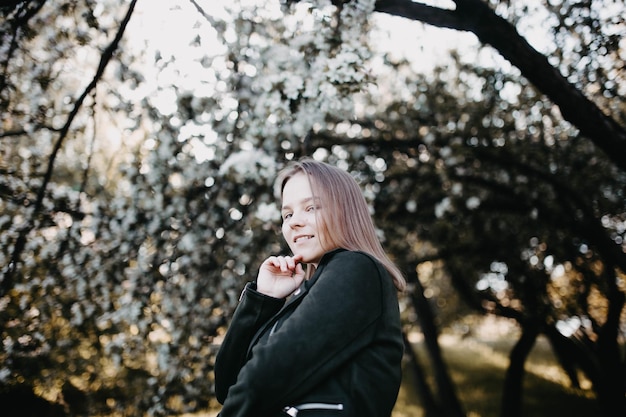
{"points": [[478, 365]]}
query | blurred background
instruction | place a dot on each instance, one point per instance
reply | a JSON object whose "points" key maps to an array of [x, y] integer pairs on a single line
{"points": [[139, 141]]}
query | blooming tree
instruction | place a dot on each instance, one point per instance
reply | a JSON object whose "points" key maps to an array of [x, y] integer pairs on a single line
{"points": [[120, 267]]}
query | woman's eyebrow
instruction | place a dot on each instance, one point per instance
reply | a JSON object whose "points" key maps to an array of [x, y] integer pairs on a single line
{"points": [[303, 201]]}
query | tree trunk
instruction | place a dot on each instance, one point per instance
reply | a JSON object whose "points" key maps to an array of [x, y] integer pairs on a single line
{"points": [[448, 400], [566, 353], [429, 402], [611, 387], [512, 392]]}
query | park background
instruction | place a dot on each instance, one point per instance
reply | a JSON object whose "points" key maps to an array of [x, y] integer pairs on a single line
{"points": [[139, 140]]}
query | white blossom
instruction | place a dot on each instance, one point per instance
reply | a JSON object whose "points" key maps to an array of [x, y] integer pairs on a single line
{"points": [[442, 207], [472, 202], [249, 165], [267, 212]]}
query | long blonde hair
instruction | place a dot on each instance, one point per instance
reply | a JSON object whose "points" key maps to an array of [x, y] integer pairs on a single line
{"points": [[345, 219]]}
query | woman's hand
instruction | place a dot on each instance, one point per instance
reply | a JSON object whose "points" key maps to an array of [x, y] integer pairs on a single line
{"points": [[280, 276]]}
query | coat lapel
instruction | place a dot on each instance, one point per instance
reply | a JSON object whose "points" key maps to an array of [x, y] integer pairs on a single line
{"points": [[293, 301]]}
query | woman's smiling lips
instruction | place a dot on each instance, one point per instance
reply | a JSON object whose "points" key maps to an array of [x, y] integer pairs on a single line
{"points": [[300, 238]]}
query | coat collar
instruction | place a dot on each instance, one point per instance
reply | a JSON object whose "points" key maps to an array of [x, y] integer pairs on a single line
{"points": [[306, 285]]}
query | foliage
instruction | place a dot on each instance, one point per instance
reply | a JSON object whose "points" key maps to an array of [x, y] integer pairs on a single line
{"points": [[160, 203]]}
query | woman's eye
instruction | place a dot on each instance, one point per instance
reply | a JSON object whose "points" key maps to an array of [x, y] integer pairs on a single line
{"points": [[286, 216]]}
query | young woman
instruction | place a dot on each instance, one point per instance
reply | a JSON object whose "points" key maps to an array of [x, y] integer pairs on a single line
{"points": [[318, 333]]}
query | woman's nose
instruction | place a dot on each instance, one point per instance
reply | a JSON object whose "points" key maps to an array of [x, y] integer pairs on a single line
{"points": [[295, 220]]}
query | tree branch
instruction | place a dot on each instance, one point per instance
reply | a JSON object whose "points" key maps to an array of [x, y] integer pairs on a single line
{"points": [[477, 17], [106, 57], [443, 18]]}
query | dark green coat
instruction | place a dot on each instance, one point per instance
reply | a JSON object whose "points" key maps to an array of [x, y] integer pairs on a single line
{"points": [[336, 344]]}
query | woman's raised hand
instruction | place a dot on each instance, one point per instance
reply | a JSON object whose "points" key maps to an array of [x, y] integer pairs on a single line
{"points": [[279, 276]]}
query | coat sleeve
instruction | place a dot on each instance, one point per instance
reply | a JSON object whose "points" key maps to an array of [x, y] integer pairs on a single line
{"points": [[252, 312], [335, 321]]}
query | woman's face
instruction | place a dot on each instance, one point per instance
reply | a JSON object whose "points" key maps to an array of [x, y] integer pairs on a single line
{"points": [[300, 228]]}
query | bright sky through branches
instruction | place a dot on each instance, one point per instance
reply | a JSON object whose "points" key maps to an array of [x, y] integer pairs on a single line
{"points": [[182, 52], [169, 26], [177, 41]]}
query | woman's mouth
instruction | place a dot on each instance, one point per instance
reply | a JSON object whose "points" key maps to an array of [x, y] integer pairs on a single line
{"points": [[302, 238]]}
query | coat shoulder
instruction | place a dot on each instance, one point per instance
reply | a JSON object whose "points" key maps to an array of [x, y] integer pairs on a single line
{"points": [[358, 259]]}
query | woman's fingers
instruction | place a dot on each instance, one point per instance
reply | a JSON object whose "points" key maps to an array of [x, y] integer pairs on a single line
{"points": [[298, 275], [283, 263], [280, 276]]}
